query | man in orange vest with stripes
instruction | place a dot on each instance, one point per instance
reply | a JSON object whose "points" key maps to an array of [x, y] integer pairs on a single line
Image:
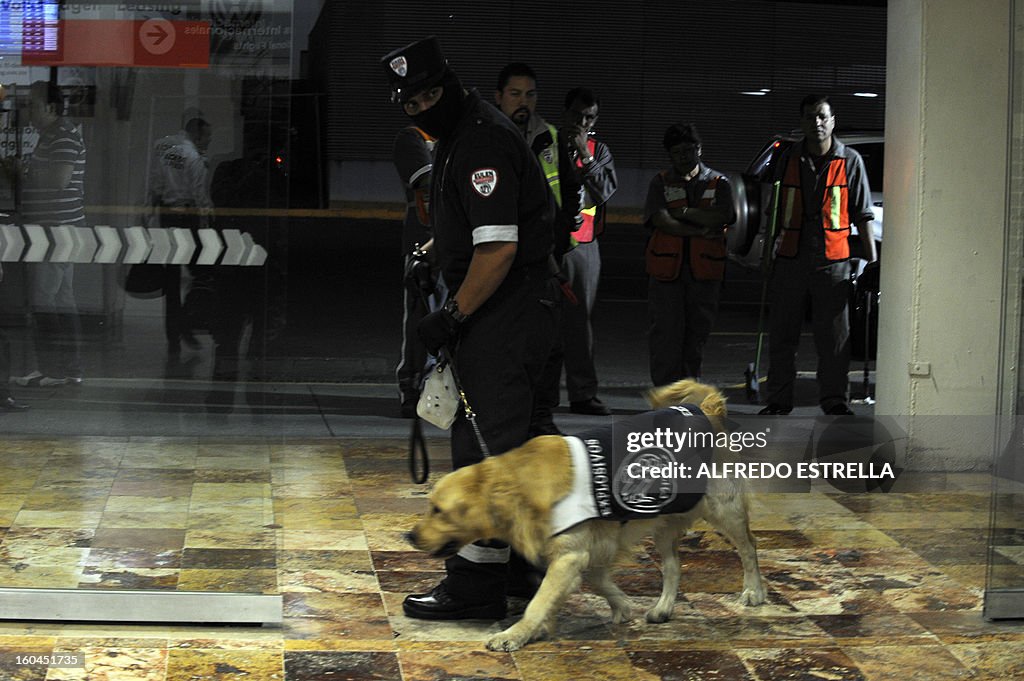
{"points": [[687, 210], [824, 190]]}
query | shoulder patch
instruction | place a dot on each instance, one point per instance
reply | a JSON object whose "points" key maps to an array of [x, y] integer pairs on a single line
{"points": [[484, 181]]}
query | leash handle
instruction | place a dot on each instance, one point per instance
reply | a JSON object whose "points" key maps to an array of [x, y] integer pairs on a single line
{"points": [[418, 443]]}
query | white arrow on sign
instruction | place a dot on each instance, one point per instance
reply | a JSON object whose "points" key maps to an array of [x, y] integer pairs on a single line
{"points": [[85, 246], [160, 254], [184, 245], [211, 247], [257, 256], [63, 243], [38, 244], [110, 244], [235, 247], [14, 244], [138, 245]]}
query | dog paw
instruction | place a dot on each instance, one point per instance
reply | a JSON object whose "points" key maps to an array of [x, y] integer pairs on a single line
{"points": [[656, 616], [621, 613], [754, 596], [506, 641]]}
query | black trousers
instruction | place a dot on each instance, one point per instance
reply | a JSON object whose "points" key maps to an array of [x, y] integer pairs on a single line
{"points": [[793, 284], [499, 360], [682, 314]]}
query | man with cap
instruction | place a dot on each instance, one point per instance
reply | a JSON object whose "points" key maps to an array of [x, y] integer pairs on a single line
{"points": [[492, 219]]}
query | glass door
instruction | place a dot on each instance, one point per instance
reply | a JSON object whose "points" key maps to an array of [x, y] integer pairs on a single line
{"points": [[1004, 593]]}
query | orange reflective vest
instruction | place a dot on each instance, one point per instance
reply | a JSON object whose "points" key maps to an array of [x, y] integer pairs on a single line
{"points": [[835, 214], [665, 251], [593, 217]]}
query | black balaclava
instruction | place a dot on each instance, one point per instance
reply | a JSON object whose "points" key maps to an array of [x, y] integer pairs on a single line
{"points": [[441, 119]]}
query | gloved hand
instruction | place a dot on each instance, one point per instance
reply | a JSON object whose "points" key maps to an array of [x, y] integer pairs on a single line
{"points": [[418, 275], [437, 330], [870, 277]]}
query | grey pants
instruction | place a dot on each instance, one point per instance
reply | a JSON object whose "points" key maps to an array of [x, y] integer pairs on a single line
{"points": [[582, 265], [57, 330]]}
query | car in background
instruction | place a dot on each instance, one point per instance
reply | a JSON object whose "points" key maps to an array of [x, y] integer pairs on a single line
{"points": [[752, 191]]}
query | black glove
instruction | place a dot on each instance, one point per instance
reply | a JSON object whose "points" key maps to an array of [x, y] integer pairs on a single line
{"points": [[870, 277], [437, 330], [418, 275]]}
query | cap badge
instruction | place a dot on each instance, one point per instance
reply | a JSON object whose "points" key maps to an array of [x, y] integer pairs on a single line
{"points": [[400, 66]]}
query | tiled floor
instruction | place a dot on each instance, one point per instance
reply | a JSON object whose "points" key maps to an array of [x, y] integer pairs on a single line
{"points": [[862, 586]]}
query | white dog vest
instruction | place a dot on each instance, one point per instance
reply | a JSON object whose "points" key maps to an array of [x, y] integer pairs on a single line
{"points": [[637, 468]]}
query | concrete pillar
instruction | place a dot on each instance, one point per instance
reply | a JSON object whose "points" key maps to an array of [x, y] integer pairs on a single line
{"points": [[947, 123]]}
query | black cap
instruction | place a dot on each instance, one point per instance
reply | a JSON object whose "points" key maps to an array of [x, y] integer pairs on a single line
{"points": [[414, 68]]}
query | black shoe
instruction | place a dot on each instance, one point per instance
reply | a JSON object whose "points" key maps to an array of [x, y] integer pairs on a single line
{"points": [[9, 404], [525, 585], [593, 406], [544, 428], [441, 605], [838, 409], [775, 410]]}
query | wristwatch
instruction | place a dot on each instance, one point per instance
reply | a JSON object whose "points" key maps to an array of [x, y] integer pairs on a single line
{"points": [[452, 308]]}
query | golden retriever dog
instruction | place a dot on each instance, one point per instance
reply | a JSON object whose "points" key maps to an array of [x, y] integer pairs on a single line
{"points": [[511, 497]]}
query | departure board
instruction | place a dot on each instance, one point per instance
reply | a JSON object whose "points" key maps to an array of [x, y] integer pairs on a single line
{"points": [[29, 26]]}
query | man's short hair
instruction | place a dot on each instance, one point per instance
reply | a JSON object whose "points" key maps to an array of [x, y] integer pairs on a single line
{"points": [[516, 68], [585, 95], [50, 92], [677, 133], [813, 100]]}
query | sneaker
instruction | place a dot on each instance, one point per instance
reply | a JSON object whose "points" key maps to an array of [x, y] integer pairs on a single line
{"points": [[438, 604], [593, 407], [775, 410], [10, 404], [29, 380]]}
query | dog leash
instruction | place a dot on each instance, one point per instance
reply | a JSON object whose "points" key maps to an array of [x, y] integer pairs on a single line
{"points": [[468, 410], [417, 443]]}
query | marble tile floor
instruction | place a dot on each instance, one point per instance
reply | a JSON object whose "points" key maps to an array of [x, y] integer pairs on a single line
{"points": [[862, 586]]}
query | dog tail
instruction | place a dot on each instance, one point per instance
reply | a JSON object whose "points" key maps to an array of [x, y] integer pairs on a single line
{"points": [[707, 397]]}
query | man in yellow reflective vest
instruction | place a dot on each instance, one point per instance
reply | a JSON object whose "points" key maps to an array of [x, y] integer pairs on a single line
{"points": [[581, 175], [824, 190], [516, 96]]}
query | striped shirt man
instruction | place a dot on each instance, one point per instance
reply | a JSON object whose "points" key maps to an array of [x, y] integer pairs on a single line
{"points": [[43, 202]]}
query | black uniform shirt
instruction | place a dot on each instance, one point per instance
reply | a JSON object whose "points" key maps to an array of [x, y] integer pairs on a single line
{"points": [[488, 186]]}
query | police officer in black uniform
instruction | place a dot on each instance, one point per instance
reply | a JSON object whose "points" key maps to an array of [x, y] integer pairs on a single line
{"points": [[492, 217]]}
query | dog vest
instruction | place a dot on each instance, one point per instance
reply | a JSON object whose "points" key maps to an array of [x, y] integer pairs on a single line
{"points": [[637, 468]]}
